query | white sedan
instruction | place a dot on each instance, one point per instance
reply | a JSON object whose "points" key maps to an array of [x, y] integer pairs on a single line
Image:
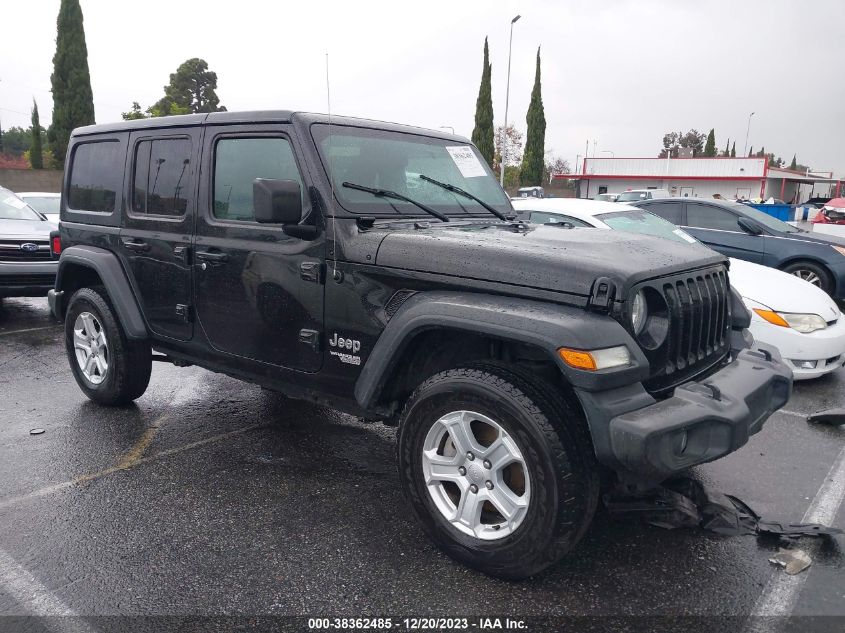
{"points": [[798, 318], [45, 203]]}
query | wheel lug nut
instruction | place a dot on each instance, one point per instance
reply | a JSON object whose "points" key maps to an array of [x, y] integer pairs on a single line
{"points": [[470, 456], [487, 464], [462, 470], [473, 488], [489, 485]]}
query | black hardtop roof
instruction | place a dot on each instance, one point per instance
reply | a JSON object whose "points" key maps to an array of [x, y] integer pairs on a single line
{"points": [[257, 116]]}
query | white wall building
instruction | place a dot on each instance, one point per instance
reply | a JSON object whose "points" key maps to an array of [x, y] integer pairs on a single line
{"points": [[698, 178]]}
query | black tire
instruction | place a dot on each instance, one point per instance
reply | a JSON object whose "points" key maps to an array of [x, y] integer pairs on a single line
{"points": [[803, 269], [129, 362], [551, 435]]}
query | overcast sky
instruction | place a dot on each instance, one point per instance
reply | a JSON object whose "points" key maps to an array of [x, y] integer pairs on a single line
{"points": [[620, 72]]}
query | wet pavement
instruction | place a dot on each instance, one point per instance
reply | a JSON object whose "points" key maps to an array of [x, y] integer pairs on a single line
{"points": [[212, 497]]}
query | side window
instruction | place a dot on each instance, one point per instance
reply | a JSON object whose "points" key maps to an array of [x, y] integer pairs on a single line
{"points": [[95, 173], [541, 217], [239, 161], [160, 181], [703, 216], [669, 211]]}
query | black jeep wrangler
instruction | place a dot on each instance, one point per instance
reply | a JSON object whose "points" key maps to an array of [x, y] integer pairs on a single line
{"points": [[377, 268]]}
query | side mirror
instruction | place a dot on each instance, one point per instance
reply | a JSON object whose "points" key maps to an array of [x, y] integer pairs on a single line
{"points": [[749, 226], [276, 201]]}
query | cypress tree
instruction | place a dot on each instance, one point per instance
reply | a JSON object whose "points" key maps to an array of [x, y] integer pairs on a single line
{"points": [[710, 145], [794, 164], [36, 156], [531, 173], [482, 134], [73, 101], [727, 148], [751, 152], [733, 150]]}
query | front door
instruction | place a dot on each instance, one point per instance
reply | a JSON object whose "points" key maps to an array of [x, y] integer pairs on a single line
{"points": [[718, 228], [155, 237], [259, 292]]}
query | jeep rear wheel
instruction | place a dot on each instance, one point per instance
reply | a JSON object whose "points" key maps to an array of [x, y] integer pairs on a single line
{"points": [[498, 468], [108, 367]]}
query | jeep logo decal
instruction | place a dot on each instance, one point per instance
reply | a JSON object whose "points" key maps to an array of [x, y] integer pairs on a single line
{"points": [[345, 343]]}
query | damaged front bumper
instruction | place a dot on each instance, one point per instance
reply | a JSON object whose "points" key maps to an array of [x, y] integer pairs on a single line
{"points": [[647, 441]]}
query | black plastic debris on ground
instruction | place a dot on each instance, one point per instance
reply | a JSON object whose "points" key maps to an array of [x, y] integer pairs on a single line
{"points": [[685, 503], [833, 417]]}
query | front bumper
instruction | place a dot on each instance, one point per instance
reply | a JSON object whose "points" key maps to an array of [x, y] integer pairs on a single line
{"points": [[27, 279], [823, 348], [647, 442]]}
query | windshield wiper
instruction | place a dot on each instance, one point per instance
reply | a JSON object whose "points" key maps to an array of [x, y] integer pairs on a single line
{"points": [[466, 194], [386, 193]]}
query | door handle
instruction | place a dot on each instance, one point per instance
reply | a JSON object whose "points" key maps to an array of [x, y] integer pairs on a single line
{"points": [[215, 258], [135, 245]]}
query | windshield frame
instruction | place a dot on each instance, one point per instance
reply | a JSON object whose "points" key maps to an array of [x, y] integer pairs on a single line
{"points": [[459, 207]]}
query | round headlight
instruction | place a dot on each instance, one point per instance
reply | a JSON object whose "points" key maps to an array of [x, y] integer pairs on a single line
{"points": [[639, 312]]}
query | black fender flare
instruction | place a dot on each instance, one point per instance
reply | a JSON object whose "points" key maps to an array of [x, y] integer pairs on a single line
{"points": [[108, 267], [544, 325]]}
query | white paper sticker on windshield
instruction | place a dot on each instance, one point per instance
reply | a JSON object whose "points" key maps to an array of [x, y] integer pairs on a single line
{"points": [[17, 203], [685, 236], [466, 161]]}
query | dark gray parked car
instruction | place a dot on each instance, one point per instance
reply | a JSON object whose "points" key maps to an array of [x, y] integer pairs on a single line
{"points": [[738, 230], [27, 269]]}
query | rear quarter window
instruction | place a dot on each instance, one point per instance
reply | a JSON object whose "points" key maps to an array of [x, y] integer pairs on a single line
{"points": [[96, 176]]}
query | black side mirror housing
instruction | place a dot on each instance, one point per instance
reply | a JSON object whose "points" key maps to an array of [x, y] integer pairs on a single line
{"points": [[276, 201], [749, 226]]}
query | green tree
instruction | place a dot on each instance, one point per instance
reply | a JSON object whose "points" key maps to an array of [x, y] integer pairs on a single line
{"points": [[36, 155], [727, 151], [482, 134], [134, 113], [16, 141], [192, 88], [751, 152], [794, 164], [533, 161], [710, 146], [73, 101], [733, 150]]}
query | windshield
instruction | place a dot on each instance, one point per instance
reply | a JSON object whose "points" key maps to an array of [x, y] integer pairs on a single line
{"points": [[13, 208], [44, 204], [763, 218], [645, 223], [395, 161], [631, 196]]}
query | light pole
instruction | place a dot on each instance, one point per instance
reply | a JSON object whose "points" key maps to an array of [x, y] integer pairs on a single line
{"points": [[447, 127], [507, 98], [747, 130]]}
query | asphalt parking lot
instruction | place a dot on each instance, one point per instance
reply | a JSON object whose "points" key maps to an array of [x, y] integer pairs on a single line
{"points": [[211, 497]]}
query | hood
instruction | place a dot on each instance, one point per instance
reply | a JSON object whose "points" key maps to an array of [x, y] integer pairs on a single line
{"points": [[817, 237], [538, 256], [25, 229], [780, 291]]}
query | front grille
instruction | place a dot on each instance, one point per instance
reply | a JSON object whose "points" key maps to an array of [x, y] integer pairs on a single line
{"points": [[7, 281], [698, 313], [11, 251]]}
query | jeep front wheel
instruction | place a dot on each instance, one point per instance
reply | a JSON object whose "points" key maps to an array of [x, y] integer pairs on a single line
{"points": [[498, 469], [107, 366]]}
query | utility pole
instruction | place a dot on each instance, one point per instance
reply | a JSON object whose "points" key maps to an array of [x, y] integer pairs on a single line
{"points": [[747, 130]]}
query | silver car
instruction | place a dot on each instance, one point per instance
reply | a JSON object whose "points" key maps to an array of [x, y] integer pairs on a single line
{"points": [[27, 267]]}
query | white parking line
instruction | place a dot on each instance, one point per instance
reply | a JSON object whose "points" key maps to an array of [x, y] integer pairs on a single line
{"points": [[36, 599], [31, 329], [782, 591]]}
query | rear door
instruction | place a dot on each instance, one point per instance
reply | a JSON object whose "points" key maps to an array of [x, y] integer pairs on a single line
{"points": [[155, 235], [259, 292], [718, 228]]}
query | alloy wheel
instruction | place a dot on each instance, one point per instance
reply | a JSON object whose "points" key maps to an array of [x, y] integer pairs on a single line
{"points": [[476, 475], [91, 347]]}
